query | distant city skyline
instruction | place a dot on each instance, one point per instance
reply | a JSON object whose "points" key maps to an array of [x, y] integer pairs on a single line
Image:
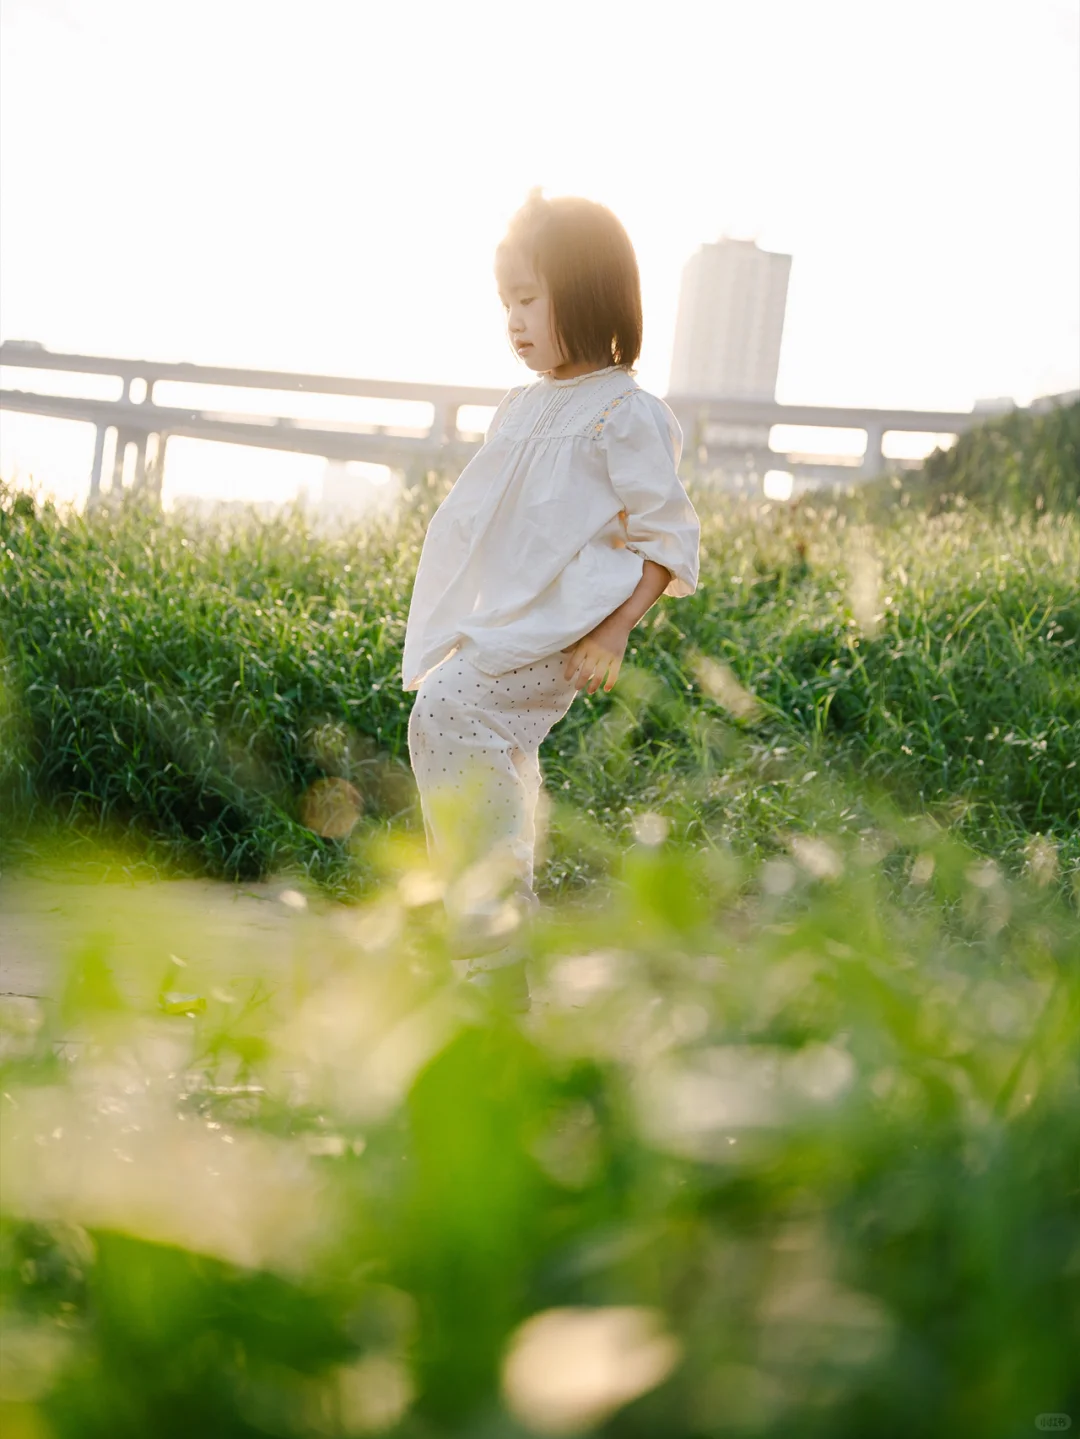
{"points": [[333, 201]]}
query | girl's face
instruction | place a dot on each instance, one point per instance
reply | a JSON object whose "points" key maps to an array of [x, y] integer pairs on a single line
{"points": [[526, 302]]}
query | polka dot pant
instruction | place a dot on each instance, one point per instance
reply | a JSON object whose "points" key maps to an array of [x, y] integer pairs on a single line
{"points": [[473, 744]]}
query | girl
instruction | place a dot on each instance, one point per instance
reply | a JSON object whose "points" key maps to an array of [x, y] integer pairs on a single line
{"points": [[559, 534]]}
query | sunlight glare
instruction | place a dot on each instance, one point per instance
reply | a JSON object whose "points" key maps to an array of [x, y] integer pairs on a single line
{"points": [[70, 384], [473, 420], [334, 410], [778, 484], [206, 470], [51, 458], [913, 444], [818, 440], [355, 489]]}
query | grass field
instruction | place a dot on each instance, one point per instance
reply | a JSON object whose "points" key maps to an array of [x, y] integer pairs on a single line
{"points": [[790, 1142], [188, 686]]}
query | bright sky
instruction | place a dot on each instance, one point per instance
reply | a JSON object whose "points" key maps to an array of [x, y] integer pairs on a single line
{"points": [[311, 184]]}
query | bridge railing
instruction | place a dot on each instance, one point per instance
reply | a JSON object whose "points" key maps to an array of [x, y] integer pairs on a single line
{"points": [[138, 420], [715, 427], [715, 430]]}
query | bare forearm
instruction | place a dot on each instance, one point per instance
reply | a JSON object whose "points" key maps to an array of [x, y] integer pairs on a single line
{"points": [[654, 581]]}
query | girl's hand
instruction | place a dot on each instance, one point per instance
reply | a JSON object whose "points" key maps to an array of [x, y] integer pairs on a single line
{"points": [[597, 654]]}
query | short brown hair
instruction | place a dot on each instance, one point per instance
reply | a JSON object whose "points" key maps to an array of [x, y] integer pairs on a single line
{"points": [[584, 255]]}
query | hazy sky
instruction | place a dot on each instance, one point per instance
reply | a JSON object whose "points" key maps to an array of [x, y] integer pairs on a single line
{"points": [[321, 185]]}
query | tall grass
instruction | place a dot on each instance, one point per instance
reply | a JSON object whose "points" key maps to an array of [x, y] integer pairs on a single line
{"points": [[780, 1151], [788, 1144], [1017, 462], [188, 685]]}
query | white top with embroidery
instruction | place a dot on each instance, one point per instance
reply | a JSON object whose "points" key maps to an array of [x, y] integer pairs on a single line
{"points": [[546, 529]]}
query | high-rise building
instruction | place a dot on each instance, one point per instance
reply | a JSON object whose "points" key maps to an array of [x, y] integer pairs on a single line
{"points": [[730, 321]]}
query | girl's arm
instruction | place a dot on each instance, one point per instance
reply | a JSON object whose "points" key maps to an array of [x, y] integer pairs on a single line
{"points": [[654, 581], [642, 444], [601, 651]]}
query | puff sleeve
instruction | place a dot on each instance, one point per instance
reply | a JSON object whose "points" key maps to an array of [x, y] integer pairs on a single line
{"points": [[642, 442], [500, 413]]}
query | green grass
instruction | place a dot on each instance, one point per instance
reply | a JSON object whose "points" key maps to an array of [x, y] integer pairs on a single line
{"points": [[821, 1136], [1016, 462], [795, 1128], [185, 686]]}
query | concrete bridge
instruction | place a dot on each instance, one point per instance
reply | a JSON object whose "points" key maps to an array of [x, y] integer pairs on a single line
{"points": [[717, 432]]}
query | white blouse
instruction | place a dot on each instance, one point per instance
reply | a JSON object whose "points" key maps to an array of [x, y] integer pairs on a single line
{"points": [[546, 529]]}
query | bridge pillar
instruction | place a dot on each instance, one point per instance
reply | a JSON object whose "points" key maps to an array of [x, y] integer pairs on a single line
{"points": [[116, 486], [139, 481], [444, 423], [95, 468], [155, 467], [873, 459]]}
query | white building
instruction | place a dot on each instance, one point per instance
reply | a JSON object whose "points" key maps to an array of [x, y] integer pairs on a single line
{"points": [[730, 321]]}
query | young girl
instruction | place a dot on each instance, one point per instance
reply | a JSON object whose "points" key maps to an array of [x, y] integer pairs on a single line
{"points": [[559, 534]]}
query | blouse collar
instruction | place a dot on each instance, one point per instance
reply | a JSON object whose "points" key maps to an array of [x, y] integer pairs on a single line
{"points": [[579, 379]]}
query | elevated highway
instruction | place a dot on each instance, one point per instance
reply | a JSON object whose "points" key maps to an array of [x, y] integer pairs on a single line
{"points": [[716, 431]]}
